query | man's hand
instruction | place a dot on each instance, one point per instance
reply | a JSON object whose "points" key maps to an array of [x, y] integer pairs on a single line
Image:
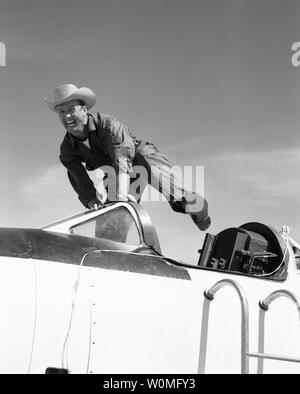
{"points": [[95, 204], [129, 198], [123, 188]]}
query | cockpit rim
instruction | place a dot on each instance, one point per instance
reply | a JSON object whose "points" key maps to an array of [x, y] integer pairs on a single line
{"points": [[146, 229]]}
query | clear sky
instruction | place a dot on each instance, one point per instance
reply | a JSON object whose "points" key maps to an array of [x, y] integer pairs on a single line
{"points": [[210, 82]]}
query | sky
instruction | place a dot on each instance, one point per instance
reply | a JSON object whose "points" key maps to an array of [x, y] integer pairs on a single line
{"points": [[210, 82]]}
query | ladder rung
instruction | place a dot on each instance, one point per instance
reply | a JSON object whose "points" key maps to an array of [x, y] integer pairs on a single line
{"points": [[274, 357]]}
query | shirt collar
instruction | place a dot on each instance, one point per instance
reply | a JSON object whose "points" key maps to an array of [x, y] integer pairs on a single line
{"points": [[91, 126], [91, 123]]}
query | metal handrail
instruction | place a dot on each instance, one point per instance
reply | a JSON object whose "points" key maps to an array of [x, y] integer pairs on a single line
{"points": [[208, 297], [264, 307]]}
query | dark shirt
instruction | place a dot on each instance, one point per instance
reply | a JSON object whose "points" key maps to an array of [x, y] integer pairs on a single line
{"points": [[111, 144]]}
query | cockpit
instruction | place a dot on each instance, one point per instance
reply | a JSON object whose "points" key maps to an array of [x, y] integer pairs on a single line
{"points": [[252, 249]]}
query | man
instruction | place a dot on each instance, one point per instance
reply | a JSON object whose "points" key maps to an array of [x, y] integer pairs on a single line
{"points": [[104, 141]]}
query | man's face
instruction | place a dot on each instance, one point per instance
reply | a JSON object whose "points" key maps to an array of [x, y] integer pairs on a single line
{"points": [[73, 116]]}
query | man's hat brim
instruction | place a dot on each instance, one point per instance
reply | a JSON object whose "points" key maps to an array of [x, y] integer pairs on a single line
{"points": [[84, 94]]}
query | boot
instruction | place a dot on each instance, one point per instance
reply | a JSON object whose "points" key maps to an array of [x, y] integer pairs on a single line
{"points": [[201, 218], [202, 223]]}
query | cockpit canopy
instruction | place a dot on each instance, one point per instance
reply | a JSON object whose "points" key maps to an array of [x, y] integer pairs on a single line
{"points": [[126, 225]]}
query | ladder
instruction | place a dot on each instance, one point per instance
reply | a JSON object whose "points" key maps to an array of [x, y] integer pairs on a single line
{"points": [[209, 296]]}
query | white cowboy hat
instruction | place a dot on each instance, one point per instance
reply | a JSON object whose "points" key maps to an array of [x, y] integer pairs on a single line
{"points": [[65, 93]]}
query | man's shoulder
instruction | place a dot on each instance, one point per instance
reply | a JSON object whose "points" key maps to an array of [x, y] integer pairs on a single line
{"points": [[105, 120]]}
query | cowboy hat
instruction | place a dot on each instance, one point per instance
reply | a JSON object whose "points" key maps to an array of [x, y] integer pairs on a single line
{"points": [[69, 92]]}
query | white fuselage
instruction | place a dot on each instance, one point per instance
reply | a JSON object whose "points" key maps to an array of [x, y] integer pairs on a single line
{"points": [[95, 320]]}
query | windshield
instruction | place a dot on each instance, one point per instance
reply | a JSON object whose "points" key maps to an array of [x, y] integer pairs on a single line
{"points": [[116, 225]]}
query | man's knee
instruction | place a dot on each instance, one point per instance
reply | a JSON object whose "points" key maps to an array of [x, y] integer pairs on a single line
{"points": [[191, 203]]}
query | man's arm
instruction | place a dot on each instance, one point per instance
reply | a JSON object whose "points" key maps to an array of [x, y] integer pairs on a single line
{"points": [[122, 186], [80, 181]]}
